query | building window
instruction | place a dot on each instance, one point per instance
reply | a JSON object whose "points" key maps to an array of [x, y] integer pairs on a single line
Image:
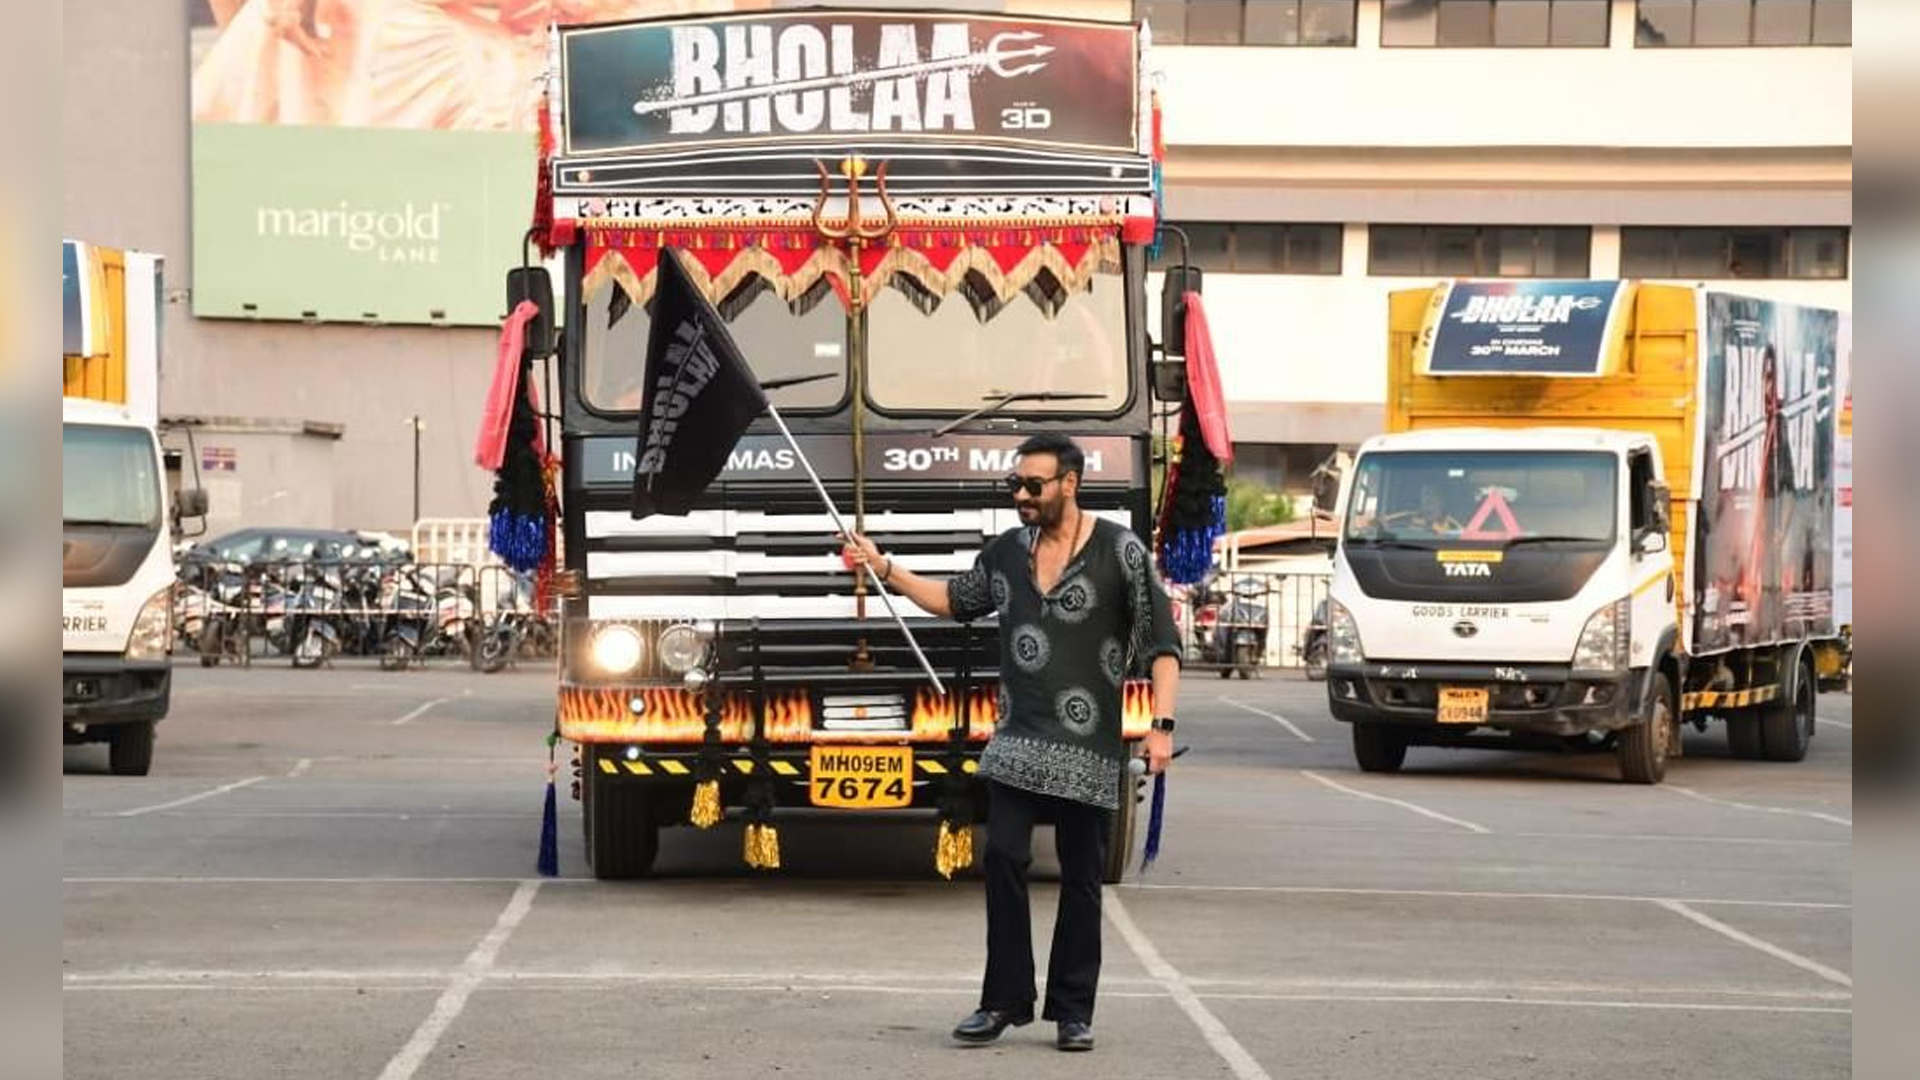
{"points": [[1736, 23], [1481, 24], [1714, 253], [1480, 251], [1248, 22], [1255, 248]]}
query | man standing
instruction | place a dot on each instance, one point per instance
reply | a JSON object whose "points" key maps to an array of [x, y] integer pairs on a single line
{"points": [[1078, 604]]}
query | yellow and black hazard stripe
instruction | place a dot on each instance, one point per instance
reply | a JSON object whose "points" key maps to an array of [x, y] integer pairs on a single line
{"points": [[675, 767], [1729, 699]]}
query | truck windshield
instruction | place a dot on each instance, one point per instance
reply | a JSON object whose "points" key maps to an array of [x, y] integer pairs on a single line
{"points": [[778, 342], [950, 359], [108, 476], [1496, 497]]}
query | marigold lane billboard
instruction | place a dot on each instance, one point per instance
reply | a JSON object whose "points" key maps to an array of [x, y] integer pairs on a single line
{"points": [[363, 160]]}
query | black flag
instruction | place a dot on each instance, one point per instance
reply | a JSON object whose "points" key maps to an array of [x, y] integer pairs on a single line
{"points": [[700, 397]]}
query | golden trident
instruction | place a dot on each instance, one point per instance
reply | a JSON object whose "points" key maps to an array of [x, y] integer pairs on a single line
{"points": [[856, 234]]}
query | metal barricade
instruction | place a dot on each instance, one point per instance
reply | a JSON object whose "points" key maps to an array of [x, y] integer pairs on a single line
{"points": [[1284, 602]]}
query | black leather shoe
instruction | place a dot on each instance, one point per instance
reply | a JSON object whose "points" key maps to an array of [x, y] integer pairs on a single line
{"points": [[985, 1025], [1074, 1035]]}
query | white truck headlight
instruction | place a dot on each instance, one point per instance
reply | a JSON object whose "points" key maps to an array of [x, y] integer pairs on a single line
{"points": [[152, 637], [682, 648], [1606, 639], [617, 649], [1343, 636]]}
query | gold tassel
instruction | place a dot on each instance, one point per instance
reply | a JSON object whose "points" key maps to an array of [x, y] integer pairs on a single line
{"points": [[706, 804], [762, 847], [954, 850]]}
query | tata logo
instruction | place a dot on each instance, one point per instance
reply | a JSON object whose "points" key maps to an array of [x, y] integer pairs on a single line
{"points": [[1464, 629], [1470, 569]]}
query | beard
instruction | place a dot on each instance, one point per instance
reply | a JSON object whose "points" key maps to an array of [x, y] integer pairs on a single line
{"points": [[1046, 513]]}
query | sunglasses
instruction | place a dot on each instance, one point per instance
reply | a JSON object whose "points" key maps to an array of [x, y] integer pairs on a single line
{"points": [[1032, 485]]}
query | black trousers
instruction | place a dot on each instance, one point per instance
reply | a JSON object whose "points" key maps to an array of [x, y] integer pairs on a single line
{"points": [[1073, 966]]}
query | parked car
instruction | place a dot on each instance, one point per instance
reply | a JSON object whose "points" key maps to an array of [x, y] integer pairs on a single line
{"points": [[268, 544]]}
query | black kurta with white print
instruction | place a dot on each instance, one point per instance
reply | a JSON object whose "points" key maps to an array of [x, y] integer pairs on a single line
{"points": [[1064, 656]]}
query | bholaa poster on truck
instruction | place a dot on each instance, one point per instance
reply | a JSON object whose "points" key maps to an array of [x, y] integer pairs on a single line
{"points": [[1762, 560]]}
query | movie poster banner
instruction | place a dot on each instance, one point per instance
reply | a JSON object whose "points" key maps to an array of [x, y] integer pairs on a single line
{"points": [[1569, 329], [1763, 545], [809, 77], [369, 160]]}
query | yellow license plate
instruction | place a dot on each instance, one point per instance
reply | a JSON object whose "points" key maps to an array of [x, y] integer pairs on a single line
{"points": [[862, 777], [1462, 706]]}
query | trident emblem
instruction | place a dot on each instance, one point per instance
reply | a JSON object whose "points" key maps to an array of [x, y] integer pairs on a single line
{"points": [[854, 230]]}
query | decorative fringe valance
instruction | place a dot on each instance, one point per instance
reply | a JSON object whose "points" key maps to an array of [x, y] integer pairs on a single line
{"points": [[988, 266]]}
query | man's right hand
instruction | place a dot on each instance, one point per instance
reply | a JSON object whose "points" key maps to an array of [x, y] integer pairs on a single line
{"points": [[860, 552]]}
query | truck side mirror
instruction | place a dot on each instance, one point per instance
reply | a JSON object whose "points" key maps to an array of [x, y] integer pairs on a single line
{"points": [[1170, 380], [192, 503], [1175, 284], [1659, 520], [532, 283]]}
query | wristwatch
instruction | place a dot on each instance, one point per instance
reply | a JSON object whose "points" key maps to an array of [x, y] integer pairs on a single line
{"points": [[1163, 723]]}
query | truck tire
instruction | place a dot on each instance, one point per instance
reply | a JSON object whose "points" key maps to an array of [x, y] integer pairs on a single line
{"points": [[130, 749], [1379, 748], [623, 839], [1643, 748], [1743, 735], [1122, 824], [1786, 723]]}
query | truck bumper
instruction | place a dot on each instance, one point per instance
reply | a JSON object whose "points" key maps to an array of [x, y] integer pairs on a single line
{"points": [[99, 691], [1533, 699]]}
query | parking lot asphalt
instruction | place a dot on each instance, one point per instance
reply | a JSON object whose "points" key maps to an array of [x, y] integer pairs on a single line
{"points": [[331, 875]]}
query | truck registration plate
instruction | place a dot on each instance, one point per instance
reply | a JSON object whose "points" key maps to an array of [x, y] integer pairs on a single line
{"points": [[861, 777], [1460, 705]]}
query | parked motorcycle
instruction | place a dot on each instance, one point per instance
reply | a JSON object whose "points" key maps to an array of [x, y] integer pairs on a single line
{"points": [[1238, 637], [1313, 644]]}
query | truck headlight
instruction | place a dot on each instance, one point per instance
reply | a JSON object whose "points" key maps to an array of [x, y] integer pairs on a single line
{"points": [[682, 648], [152, 637], [1606, 639], [1343, 636], [617, 649]]}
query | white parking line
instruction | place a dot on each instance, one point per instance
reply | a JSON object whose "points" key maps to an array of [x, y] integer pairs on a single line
{"points": [[1175, 984], [300, 768], [221, 790], [1275, 717], [1838, 977], [1832, 819], [1464, 894], [454, 999], [421, 711], [1401, 803]]}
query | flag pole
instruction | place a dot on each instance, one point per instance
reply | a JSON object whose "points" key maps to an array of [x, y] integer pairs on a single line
{"points": [[840, 524]]}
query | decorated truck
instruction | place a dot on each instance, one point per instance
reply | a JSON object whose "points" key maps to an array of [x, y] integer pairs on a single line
{"points": [[1603, 510], [927, 234]]}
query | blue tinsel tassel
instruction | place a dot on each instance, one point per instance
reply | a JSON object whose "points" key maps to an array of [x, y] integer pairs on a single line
{"points": [[1159, 217], [550, 836], [1154, 821], [519, 539], [1187, 554]]}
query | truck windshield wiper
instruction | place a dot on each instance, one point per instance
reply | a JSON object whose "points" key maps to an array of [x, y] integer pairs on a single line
{"points": [[796, 380], [1393, 542], [1519, 540], [102, 523], [1004, 400]]}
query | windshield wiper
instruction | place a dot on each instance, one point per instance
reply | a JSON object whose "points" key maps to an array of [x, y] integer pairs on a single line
{"points": [[1392, 542], [1001, 402], [1519, 540], [796, 380], [104, 523]]}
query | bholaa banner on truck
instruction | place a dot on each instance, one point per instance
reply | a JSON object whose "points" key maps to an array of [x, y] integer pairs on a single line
{"points": [[857, 76], [1762, 564], [368, 160], [1530, 328]]}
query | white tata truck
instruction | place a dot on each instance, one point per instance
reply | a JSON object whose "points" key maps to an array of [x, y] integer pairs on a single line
{"points": [[117, 518], [1602, 510]]}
